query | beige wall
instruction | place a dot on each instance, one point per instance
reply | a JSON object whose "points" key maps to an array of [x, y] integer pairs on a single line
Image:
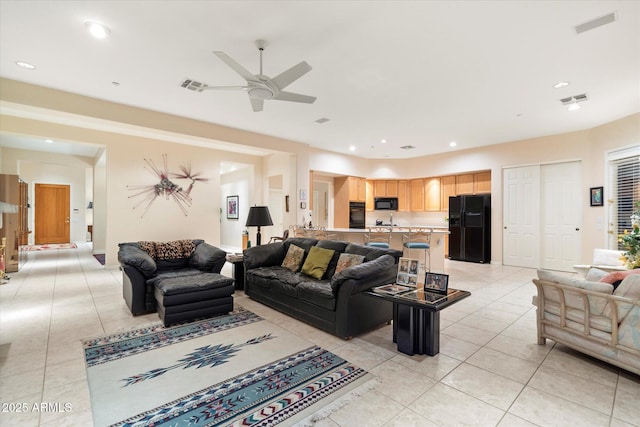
{"points": [[164, 221]]}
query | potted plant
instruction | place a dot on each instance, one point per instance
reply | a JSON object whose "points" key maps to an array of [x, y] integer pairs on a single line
{"points": [[631, 241]]}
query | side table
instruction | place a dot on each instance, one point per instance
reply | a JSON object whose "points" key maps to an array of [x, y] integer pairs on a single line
{"points": [[238, 270]]}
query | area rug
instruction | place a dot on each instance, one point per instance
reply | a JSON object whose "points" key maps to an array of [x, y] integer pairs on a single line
{"points": [[232, 370], [50, 246]]}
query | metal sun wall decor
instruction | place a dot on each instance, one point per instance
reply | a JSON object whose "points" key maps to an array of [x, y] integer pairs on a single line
{"points": [[166, 187]]}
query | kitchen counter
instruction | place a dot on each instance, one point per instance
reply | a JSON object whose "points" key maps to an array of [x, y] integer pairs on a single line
{"points": [[356, 235]]}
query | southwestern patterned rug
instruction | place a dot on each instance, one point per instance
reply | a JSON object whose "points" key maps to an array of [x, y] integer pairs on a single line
{"points": [[233, 370]]}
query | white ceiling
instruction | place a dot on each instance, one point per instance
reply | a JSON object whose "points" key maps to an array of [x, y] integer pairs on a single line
{"points": [[419, 73]]}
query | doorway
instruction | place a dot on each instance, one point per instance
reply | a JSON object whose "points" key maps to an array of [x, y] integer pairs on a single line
{"points": [[542, 216], [52, 213]]}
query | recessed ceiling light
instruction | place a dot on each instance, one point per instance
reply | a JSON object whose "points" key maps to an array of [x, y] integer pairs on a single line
{"points": [[573, 106], [453, 144], [48, 141], [560, 84], [352, 148], [25, 65], [98, 31], [383, 141]]}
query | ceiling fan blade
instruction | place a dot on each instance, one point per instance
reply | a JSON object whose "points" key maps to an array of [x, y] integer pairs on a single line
{"points": [[295, 97], [289, 76], [235, 66], [256, 103], [224, 87]]}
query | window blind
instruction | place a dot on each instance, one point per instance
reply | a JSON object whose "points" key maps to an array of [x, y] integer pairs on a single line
{"points": [[624, 185]]}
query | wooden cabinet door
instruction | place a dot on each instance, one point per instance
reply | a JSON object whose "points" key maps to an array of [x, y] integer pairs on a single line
{"points": [[361, 193], [464, 184], [380, 188], [352, 182], [416, 187], [369, 190], [447, 189], [403, 196], [482, 182], [392, 188], [432, 194]]}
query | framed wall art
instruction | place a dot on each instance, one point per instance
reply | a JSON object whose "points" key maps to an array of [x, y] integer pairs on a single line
{"points": [[597, 197], [232, 207]]}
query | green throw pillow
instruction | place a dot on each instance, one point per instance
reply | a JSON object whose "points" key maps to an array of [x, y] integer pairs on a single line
{"points": [[317, 262], [294, 258]]}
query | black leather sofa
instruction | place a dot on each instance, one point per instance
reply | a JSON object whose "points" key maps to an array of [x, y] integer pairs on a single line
{"points": [[336, 302], [179, 279]]}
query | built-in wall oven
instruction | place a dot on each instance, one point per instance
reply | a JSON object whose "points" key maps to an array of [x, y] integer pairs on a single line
{"points": [[356, 214]]}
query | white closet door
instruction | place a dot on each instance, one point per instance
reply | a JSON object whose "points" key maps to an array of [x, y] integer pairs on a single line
{"points": [[521, 217], [561, 223]]}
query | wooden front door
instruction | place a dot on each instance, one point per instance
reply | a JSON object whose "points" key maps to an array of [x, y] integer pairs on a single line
{"points": [[52, 212]]}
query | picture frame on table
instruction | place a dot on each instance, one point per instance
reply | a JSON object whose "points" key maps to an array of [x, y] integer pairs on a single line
{"points": [[232, 207], [597, 196], [436, 282], [408, 269]]}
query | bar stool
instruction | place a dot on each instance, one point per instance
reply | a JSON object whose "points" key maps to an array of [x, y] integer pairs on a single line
{"points": [[379, 237], [419, 239]]}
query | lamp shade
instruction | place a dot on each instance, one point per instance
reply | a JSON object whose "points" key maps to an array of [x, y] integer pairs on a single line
{"points": [[258, 216]]}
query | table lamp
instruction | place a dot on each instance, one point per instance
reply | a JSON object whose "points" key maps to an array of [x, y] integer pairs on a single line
{"points": [[258, 216]]}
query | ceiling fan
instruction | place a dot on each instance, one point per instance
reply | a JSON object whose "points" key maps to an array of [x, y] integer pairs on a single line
{"points": [[259, 86]]}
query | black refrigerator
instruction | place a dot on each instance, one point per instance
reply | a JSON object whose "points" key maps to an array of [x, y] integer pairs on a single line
{"points": [[470, 228]]}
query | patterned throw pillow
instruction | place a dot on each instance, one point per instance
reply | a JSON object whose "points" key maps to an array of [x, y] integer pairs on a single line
{"points": [[176, 249], [348, 260], [149, 248], [293, 259]]}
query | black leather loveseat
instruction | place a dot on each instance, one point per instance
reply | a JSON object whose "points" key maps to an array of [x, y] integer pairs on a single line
{"points": [[179, 279], [335, 302]]}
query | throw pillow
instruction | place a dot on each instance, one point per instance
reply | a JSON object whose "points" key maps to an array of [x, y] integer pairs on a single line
{"points": [[595, 275], [348, 260], [629, 288], [615, 277], [174, 250], [293, 259], [317, 262]]}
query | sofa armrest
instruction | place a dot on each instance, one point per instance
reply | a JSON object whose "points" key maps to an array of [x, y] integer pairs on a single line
{"points": [[135, 257], [208, 258], [268, 255], [367, 274]]}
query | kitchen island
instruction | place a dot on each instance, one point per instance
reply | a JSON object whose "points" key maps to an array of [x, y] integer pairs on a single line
{"points": [[356, 235]]}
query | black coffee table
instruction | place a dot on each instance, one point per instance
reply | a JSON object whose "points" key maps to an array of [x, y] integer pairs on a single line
{"points": [[416, 318]]}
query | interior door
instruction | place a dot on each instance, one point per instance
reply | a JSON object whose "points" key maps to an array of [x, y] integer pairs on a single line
{"points": [[52, 213], [521, 217], [561, 222]]}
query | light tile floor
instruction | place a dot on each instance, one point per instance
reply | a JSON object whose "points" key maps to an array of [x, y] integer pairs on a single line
{"points": [[490, 371]]}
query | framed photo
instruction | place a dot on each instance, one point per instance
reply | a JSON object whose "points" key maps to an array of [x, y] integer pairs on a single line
{"points": [[408, 271], [232, 207], [437, 283], [597, 197]]}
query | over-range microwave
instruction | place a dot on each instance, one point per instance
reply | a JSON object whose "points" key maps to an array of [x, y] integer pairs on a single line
{"points": [[385, 204]]}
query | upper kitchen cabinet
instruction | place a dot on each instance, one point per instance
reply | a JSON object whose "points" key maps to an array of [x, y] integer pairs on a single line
{"points": [[416, 195], [403, 196], [356, 188], [473, 183], [447, 189], [432, 194], [369, 190]]}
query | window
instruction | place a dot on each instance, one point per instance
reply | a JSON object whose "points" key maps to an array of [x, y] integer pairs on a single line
{"points": [[624, 191]]}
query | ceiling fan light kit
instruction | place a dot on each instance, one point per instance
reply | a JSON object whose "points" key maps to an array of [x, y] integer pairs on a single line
{"points": [[259, 86]]}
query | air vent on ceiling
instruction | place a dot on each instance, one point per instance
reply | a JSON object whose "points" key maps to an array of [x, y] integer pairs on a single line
{"points": [[193, 85], [575, 98], [407, 147], [322, 120], [595, 23]]}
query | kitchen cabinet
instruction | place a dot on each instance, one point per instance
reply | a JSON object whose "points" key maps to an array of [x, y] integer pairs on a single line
{"points": [[432, 194], [403, 196], [473, 183], [380, 188], [416, 195], [369, 190], [447, 189], [482, 182], [347, 189]]}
